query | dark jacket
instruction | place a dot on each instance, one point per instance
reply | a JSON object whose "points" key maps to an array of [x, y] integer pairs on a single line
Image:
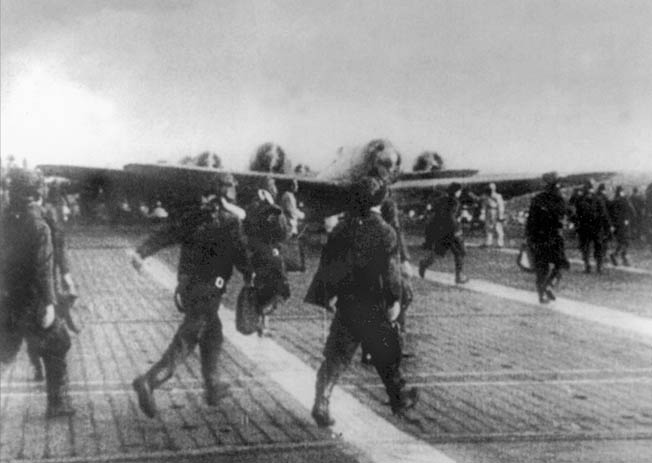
{"points": [[212, 243], [443, 225], [545, 217], [543, 229], [622, 214], [360, 264], [592, 216], [27, 260]]}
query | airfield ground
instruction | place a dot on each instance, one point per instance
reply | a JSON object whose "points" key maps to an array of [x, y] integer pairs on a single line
{"points": [[501, 380]]}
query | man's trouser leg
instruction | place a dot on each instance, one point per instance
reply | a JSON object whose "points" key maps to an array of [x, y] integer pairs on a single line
{"points": [[426, 262], [338, 352], [542, 272], [210, 351], [500, 233], [183, 343], [584, 243], [599, 248], [34, 354], [624, 245], [458, 251], [54, 345], [489, 235], [382, 340], [407, 295]]}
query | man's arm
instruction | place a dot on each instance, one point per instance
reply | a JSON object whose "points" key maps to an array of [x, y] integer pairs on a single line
{"points": [[391, 272], [390, 214], [172, 233], [45, 273], [241, 260]]}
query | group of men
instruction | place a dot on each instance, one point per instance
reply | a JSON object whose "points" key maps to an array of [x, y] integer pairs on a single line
{"points": [[369, 288], [36, 286], [363, 276], [598, 220], [370, 295], [444, 227]]}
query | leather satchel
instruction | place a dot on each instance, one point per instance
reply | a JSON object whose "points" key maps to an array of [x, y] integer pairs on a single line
{"points": [[524, 259]]}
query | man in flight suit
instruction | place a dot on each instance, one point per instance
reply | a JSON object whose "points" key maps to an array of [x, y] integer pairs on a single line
{"points": [[593, 226], [368, 293], [622, 215], [63, 283], [543, 231], [28, 282], [212, 243], [444, 232]]}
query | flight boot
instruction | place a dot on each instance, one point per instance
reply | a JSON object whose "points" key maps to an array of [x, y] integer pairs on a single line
{"points": [[422, 268], [38, 373], [145, 393], [460, 278], [59, 403], [53, 346], [327, 376], [406, 401], [58, 399], [614, 261]]}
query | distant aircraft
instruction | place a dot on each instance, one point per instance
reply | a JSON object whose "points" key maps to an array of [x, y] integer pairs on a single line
{"points": [[323, 195]]}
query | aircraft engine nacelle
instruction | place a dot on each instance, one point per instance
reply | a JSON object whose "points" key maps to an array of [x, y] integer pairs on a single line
{"points": [[205, 159], [428, 161], [270, 157], [379, 158]]}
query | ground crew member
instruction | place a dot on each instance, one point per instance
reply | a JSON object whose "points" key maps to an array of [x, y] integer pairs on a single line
{"points": [[638, 202], [368, 292], [212, 243], [493, 211], [444, 232], [28, 280], [290, 209], [622, 215], [543, 232], [593, 226]]}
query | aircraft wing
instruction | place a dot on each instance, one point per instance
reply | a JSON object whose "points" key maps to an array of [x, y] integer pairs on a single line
{"points": [[509, 185], [323, 197], [176, 184]]}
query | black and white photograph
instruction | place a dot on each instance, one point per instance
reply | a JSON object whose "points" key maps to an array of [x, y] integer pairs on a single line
{"points": [[343, 231]]}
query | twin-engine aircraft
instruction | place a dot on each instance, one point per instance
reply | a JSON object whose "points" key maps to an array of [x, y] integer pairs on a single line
{"points": [[323, 195]]}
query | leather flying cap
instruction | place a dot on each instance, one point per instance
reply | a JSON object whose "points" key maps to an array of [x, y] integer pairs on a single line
{"points": [[453, 188], [550, 178], [368, 192]]}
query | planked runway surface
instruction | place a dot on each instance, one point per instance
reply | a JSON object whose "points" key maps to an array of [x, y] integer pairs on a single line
{"points": [[501, 380]]}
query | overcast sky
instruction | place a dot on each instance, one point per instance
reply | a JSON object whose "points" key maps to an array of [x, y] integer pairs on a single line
{"points": [[498, 85]]}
